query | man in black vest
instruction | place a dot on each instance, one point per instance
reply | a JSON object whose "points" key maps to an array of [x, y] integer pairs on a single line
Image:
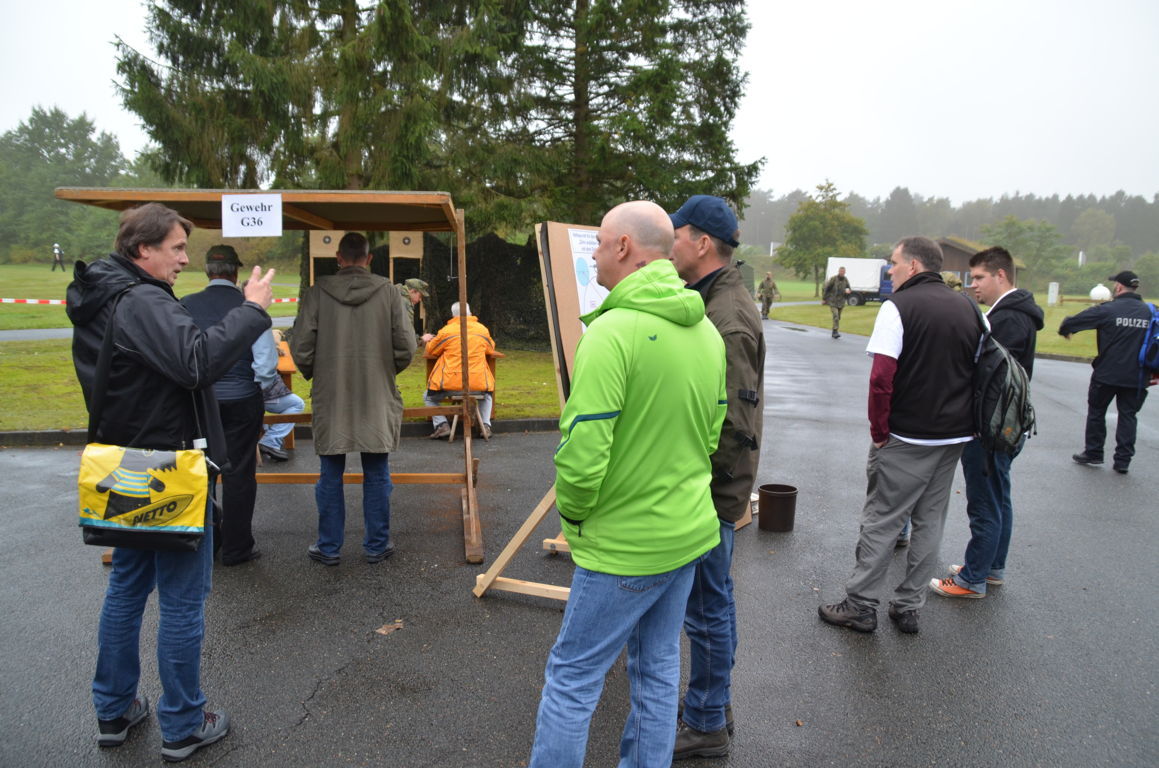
{"points": [[242, 408], [920, 417], [1122, 327]]}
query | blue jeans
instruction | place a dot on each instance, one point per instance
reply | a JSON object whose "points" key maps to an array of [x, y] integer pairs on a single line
{"points": [[331, 499], [605, 612], [991, 517], [710, 623], [276, 433], [183, 580]]}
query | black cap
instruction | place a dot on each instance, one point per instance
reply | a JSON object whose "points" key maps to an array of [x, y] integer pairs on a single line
{"points": [[1127, 278], [708, 214], [222, 254]]}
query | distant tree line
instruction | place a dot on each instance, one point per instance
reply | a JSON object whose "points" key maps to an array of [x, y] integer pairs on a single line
{"points": [[1046, 234]]}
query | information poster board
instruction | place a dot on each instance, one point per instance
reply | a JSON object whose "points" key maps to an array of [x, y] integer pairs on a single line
{"points": [[569, 290]]}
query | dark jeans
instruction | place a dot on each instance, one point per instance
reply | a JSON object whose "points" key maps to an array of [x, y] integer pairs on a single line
{"points": [[331, 499], [1128, 401], [991, 516], [242, 420]]}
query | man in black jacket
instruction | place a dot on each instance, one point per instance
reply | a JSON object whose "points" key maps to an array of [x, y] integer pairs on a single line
{"points": [[158, 396], [1014, 322], [1122, 327], [242, 407]]}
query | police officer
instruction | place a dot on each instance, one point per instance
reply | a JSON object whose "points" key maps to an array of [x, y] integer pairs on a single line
{"points": [[1122, 326]]}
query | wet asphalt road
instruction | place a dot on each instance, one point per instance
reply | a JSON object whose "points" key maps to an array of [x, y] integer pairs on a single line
{"points": [[1056, 668]]}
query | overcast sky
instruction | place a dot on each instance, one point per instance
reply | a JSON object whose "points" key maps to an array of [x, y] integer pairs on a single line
{"points": [[960, 99]]}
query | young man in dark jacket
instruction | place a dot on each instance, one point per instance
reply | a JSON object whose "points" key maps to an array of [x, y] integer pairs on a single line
{"points": [[1122, 326], [1015, 321], [158, 396]]}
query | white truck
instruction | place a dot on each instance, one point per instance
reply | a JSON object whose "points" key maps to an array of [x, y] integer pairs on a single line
{"points": [[868, 278]]}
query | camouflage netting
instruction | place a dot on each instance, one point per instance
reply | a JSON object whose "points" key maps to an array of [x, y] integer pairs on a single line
{"points": [[504, 287]]}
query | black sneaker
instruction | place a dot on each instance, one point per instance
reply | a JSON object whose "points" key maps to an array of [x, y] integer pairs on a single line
{"points": [[378, 557], [1121, 469], [272, 453], [1082, 458], [693, 743], [905, 621], [317, 556], [215, 727], [728, 723], [112, 733], [846, 614], [253, 554]]}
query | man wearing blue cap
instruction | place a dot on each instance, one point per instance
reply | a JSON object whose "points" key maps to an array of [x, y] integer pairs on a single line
{"points": [[706, 232]]}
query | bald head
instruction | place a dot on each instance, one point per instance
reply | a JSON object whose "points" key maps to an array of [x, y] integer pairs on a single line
{"points": [[631, 235]]}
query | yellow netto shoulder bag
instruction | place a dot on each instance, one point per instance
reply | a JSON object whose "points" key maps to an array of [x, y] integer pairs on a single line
{"points": [[138, 497]]}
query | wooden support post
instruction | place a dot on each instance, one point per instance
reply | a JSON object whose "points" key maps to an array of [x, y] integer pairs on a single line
{"points": [[492, 580]]}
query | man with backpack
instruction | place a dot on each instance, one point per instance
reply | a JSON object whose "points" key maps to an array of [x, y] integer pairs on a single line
{"points": [[921, 414], [1122, 325], [1015, 320]]}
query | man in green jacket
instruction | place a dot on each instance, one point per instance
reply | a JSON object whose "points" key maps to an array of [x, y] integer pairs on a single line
{"points": [[632, 487], [706, 233]]}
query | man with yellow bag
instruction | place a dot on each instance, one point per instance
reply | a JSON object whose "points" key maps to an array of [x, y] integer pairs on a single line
{"points": [[156, 396]]}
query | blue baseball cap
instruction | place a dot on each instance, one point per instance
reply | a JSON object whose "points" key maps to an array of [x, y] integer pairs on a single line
{"points": [[708, 214]]}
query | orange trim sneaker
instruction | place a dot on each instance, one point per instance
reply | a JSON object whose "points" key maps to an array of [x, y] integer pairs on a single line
{"points": [[991, 581], [947, 587]]}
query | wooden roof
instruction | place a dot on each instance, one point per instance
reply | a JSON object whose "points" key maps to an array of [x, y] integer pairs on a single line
{"points": [[350, 210]]}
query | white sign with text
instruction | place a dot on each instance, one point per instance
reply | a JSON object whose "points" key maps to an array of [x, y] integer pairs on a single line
{"points": [[251, 215]]}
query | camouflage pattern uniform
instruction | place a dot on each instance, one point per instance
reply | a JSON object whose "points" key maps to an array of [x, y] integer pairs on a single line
{"points": [[404, 289], [767, 292], [834, 295]]}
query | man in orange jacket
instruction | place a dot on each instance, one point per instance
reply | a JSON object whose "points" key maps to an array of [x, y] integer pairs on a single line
{"points": [[446, 377]]}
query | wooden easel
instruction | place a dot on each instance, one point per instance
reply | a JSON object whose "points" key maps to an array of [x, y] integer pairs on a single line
{"points": [[562, 297], [492, 580]]}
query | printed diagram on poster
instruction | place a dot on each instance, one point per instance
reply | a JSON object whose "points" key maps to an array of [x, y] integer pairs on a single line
{"points": [[590, 293]]}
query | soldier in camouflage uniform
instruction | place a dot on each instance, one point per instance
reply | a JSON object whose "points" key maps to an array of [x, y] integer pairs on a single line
{"points": [[414, 291], [767, 292], [834, 293]]}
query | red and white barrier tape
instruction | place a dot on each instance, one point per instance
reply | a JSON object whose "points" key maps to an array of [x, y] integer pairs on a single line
{"points": [[31, 301], [62, 301]]}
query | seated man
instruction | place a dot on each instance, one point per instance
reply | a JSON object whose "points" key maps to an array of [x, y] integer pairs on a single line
{"points": [[446, 376], [278, 398]]}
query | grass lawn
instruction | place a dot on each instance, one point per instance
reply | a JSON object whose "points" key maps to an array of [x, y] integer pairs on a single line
{"points": [[859, 320], [40, 392], [33, 281], [39, 388]]}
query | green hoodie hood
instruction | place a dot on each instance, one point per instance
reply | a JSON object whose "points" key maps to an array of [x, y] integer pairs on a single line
{"points": [[656, 289]]}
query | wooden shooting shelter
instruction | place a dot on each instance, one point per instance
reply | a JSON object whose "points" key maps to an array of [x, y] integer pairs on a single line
{"points": [[341, 210]]}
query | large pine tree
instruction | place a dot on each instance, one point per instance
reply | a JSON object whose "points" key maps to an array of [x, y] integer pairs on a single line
{"points": [[331, 94], [524, 109]]}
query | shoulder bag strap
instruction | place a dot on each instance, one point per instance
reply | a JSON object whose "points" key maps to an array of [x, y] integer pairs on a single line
{"points": [[104, 362]]}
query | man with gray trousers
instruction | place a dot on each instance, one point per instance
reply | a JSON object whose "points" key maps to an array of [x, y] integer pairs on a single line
{"points": [[920, 417]]}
